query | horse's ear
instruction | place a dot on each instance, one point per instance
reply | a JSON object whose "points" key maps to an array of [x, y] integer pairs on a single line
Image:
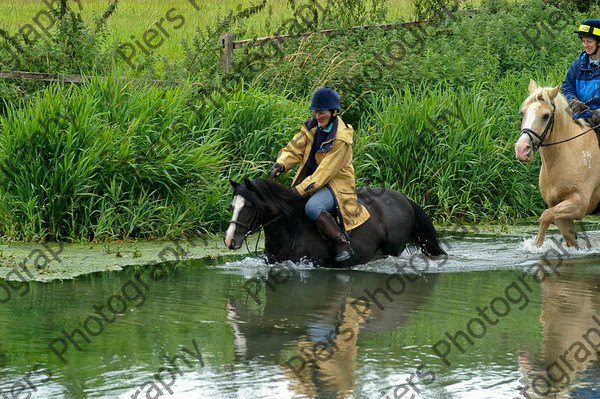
{"points": [[248, 184], [532, 86], [233, 184], [554, 91]]}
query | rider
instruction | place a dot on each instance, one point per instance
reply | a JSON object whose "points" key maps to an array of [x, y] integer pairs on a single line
{"points": [[582, 83], [323, 148]]}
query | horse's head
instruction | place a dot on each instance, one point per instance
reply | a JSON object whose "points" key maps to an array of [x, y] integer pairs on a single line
{"points": [[245, 215], [544, 108], [255, 203]]}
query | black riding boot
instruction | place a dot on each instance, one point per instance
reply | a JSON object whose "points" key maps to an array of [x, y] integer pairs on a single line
{"points": [[330, 229]]}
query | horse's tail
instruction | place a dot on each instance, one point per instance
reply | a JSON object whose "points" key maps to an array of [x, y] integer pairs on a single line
{"points": [[424, 233]]}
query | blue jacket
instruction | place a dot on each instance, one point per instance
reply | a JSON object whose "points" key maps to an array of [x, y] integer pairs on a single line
{"points": [[583, 83]]}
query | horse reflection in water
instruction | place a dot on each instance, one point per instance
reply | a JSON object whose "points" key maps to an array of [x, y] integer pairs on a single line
{"points": [[568, 359], [312, 323]]}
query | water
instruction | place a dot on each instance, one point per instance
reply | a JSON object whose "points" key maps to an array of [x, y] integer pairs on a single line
{"points": [[496, 315]]}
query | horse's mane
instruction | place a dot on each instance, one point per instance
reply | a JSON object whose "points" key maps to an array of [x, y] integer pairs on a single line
{"points": [[564, 116], [269, 195]]}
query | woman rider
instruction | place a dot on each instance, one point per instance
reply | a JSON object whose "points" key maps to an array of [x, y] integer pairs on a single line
{"points": [[582, 83], [323, 148]]}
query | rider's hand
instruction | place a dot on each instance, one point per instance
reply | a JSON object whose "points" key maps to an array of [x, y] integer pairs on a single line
{"points": [[276, 170], [596, 117], [577, 107]]}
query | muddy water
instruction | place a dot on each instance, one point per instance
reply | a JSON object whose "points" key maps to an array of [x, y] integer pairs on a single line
{"points": [[495, 317]]}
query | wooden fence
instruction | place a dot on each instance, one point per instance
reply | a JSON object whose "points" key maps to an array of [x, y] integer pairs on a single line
{"points": [[228, 44], [60, 77]]}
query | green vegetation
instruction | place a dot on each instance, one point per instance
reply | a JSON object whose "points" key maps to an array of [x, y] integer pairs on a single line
{"points": [[135, 16], [435, 108], [105, 161]]}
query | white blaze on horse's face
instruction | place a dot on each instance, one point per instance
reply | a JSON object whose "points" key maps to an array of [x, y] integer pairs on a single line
{"points": [[530, 115], [237, 204], [523, 150]]}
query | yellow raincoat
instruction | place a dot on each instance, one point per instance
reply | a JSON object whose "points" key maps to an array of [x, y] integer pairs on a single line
{"points": [[334, 160]]}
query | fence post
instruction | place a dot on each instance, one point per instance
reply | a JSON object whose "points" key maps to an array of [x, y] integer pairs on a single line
{"points": [[226, 51]]}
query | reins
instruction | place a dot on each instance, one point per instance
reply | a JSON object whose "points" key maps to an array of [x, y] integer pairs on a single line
{"points": [[251, 231], [570, 138]]}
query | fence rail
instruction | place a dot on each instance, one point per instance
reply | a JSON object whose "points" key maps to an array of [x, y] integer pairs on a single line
{"points": [[66, 78], [45, 77]]}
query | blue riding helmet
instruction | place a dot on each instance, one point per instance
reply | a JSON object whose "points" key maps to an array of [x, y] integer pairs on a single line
{"points": [[589, 28], [325, 99]]}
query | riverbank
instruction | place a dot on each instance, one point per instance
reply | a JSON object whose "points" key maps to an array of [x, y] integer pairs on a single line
{"points": [[54, 261]]}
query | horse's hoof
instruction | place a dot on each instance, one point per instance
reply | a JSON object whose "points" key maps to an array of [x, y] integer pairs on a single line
{"points": [[572, 244]]}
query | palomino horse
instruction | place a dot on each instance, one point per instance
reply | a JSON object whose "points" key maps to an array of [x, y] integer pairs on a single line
{"points": [[290, 235], [570, 174]]}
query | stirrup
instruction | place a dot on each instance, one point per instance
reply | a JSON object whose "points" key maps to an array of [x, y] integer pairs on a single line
{"points": [[344, 255]]}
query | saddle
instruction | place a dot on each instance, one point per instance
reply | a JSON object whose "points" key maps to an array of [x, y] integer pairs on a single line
{"points": [[596, 130]]}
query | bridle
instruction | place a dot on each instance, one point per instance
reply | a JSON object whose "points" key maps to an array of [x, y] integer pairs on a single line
{"points": [[258, 227], [541, 137]]}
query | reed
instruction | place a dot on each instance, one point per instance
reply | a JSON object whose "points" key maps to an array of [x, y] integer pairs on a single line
{"points": [[103, 160], [113, 160], [451, 150]]}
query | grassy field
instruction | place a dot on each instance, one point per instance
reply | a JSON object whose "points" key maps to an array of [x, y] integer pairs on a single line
{"points": [[134, 17]]}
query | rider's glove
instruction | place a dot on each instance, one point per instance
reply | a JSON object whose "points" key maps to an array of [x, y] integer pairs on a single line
{"points": [[596, 116], [577, 107], [276, 170]]}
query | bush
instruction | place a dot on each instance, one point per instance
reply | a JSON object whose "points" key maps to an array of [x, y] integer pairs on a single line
{"points": [[579, 5], [433, 9], [70, 47]]}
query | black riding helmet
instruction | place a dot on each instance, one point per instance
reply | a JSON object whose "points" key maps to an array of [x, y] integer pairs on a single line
{"points": [[590, 28], [325, 98]]}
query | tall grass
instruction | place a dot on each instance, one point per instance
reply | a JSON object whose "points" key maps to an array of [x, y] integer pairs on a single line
{"points": [[254, 123], [113, 160], [451, 150], [104, 160]]}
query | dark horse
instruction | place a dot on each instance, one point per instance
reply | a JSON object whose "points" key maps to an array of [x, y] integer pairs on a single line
{"points": [[289, 234]]}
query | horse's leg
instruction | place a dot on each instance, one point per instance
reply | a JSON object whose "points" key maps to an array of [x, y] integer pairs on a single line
{"points": [[393, 248], [569, 209], [567, 229]]}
